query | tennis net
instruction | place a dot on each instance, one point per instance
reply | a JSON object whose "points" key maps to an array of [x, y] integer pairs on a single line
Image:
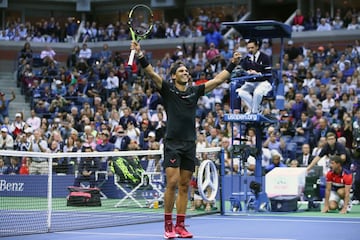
{"points": [[61, 199]]}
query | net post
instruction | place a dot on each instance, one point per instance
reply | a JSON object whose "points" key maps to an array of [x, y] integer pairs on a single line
{"points": [[49, 194], [222, 180]]}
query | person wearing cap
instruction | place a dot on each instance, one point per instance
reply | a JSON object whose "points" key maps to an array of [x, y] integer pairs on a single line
{"points": [[180, 102], [348, 70], [292, 51], [253, 90], [23, 141], [6, 140], [4, 105], [17, 126], [104, 145], [320, 55], [59, 89]]}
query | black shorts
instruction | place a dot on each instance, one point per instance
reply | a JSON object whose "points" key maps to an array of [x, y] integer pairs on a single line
{"points": [[180, 154]]}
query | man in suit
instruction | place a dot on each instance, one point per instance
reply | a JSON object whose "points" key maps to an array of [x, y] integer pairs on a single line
{"points": [[305, 158], [304, 127], [255, 63]]}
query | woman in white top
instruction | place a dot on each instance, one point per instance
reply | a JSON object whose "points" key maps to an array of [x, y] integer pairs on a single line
{"points": [[132, 131]]}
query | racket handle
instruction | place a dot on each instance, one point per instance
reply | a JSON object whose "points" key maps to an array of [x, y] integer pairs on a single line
{"points": [[131, 57]]}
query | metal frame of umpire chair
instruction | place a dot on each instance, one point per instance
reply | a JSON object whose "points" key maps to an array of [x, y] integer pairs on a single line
{"points": [[146, 178], [257, 30]]}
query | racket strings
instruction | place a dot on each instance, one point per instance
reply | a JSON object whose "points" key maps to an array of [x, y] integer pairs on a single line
{"points": [[141, 20]]}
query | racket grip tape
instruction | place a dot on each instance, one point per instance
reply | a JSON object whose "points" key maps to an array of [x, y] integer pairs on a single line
{"points": [[131, 57]]}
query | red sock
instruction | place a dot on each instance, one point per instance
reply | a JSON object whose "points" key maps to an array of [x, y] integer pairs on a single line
{"points": [[168, 217], [180, 219]]}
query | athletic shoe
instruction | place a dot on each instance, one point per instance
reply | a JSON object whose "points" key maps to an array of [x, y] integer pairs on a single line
{"points": [[182, 232], [169, 230]]}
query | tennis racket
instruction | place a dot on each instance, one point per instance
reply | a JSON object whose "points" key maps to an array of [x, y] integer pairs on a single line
{"points": [[140, 25]]}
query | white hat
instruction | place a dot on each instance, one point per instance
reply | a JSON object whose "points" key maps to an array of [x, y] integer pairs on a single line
{"points": [[58, 82], [4, 129], [28, 130], [18, 115], [290, 42], [151, 134], [274, 152]]}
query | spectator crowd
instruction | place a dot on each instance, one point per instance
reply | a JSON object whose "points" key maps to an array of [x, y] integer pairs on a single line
{"points": [[51, 30]]}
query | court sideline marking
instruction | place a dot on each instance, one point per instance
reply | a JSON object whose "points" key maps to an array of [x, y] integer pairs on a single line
{"points": [[156, 235], [283, 220]]}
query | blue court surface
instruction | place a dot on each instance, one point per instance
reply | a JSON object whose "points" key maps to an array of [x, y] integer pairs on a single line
{"points": [[232, 227]]}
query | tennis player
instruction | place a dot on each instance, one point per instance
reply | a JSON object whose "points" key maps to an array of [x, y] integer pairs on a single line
{"points": [[338, 185], [180, 101]]}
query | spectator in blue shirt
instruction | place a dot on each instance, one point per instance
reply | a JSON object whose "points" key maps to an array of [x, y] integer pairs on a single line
{"points": [[14, 166], [298, 107], [213, 36], [104, 146], [87, 168], [276, 161], [4, 105]]}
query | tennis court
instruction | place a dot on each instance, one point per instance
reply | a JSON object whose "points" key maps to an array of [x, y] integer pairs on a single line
{"points": [[285, 226], [40, 211]]}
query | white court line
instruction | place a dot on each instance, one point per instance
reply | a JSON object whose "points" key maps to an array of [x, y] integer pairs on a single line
{"points": [[156, 235], [280, 220]]}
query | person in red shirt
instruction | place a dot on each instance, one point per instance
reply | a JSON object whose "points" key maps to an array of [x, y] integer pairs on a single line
{"points": [[338, 186], [298, 22]]}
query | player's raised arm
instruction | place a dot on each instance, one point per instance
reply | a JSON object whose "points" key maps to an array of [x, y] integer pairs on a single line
{"points": [[223, 75], [146, 65]]}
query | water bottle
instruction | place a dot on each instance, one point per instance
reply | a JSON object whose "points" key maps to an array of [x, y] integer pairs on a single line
{"points": [[156, 201]]}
